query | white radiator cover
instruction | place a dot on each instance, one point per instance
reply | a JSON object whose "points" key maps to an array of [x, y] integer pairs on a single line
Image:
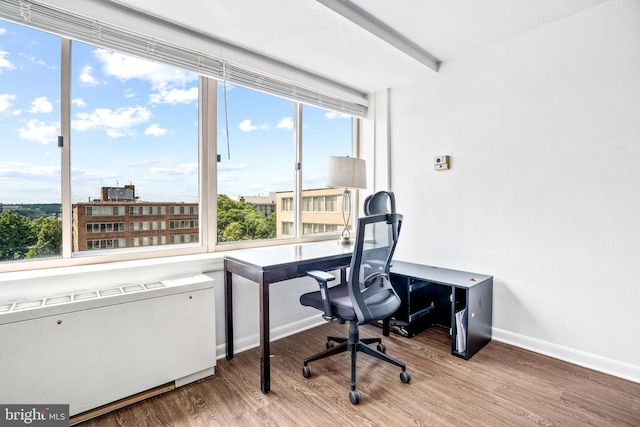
{"points": [[90, 352]]}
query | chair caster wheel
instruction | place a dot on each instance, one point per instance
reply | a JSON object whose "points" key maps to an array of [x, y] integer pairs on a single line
{"points": [[306, 371], [330, 344], [354, 397], [382, 348], [405, 376]]}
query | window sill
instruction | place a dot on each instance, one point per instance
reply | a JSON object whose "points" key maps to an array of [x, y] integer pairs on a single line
{"points": [[58, 280], [50, 282]]}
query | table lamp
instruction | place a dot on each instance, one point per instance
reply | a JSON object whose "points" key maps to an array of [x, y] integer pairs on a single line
{"points": [[346, 172]]}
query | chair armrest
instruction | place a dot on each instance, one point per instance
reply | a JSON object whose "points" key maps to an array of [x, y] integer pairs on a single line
{"points": [[323, 277]]}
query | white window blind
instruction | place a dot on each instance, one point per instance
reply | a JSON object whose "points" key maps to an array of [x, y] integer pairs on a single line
{"points": [[88, 30]]}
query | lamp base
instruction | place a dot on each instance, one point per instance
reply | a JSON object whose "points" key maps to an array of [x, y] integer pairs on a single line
{"points": [[345, 240], [345, 237]]}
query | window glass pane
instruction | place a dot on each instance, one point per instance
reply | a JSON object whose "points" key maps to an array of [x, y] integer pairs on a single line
{"points": [[134, 150], [324, 134], [257, 165], [30, 189]]}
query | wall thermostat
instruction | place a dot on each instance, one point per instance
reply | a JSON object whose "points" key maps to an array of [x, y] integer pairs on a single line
{"points": [[441, 163]]}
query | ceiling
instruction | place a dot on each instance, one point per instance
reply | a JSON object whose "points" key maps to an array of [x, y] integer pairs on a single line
{"points": [[310, 36]]}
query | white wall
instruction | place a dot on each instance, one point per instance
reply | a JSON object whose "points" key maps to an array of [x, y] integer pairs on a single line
{"points": [[544, 137]]}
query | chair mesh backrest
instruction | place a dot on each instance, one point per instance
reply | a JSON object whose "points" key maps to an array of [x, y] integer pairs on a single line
{"points": [[370, 290]]}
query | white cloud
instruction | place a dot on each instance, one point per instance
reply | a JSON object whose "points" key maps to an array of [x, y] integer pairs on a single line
{"points": [[129, 93], [15, 170], [6, 101], [34, 60], [79, 102], [4, 62], [227, 178], [3, 31], [126, 67], [116, 123], [155, 130], [6, 167], [286, 123], [86, 78], [142, 163], [247, 126], [174, 96], [181, 169], [232, 166], [335, 115], [41, 105], [36, 130]]}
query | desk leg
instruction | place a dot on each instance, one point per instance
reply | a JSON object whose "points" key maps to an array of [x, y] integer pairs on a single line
{"points": [[265, 356], [228, 301]]}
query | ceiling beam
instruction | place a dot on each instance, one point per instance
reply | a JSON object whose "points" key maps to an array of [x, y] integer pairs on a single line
{"points": [[364, 19]]}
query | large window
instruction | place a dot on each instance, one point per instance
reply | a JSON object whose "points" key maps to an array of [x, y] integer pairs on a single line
{"points": [[113, 167], [134, 141], [324, 134], [270, 145], [256, 161], [30, 185]]}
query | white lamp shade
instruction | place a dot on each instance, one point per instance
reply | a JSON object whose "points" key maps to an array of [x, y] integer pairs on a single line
{"points": [[346, 172]]}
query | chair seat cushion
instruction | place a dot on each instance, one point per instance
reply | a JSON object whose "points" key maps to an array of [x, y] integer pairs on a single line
{"points": [[341, 305]]}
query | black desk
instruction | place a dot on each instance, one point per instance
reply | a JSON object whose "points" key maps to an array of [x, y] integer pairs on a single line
{"points": [[423, 283], [274, 264]]}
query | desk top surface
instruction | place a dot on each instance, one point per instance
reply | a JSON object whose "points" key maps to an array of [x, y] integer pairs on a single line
{"points": [[277, 256], [429, 273]]}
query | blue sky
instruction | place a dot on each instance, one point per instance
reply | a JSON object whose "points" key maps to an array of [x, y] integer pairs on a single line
{"points": [[135, 121]]}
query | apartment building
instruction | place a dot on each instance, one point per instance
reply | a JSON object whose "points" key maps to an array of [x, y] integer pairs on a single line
{"points": [[119, 220], [321, 212], [264, 203]]}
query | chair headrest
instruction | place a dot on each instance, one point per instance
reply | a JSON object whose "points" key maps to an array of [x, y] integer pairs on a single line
{"points": [[380, 202]]}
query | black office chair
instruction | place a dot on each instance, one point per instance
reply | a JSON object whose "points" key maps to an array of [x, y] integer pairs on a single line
{"points": [[365, 298]]}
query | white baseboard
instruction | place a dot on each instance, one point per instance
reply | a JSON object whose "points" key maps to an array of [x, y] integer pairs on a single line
{"points": [[581, 358], [578, 357], [253, 341]]}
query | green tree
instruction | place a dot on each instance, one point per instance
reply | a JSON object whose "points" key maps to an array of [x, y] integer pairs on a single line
{"points": [[266, 228], [241, 221], [16, 236], [48, 229], [233, 232]]}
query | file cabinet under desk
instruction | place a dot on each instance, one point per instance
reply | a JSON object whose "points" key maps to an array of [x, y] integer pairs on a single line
{"points": [[438, 296]]}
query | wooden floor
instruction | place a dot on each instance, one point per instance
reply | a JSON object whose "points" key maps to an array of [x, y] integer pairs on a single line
{"points": [[500, 386]]}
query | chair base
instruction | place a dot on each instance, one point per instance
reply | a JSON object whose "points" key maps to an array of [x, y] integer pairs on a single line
{"points": [[354, 344]]}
